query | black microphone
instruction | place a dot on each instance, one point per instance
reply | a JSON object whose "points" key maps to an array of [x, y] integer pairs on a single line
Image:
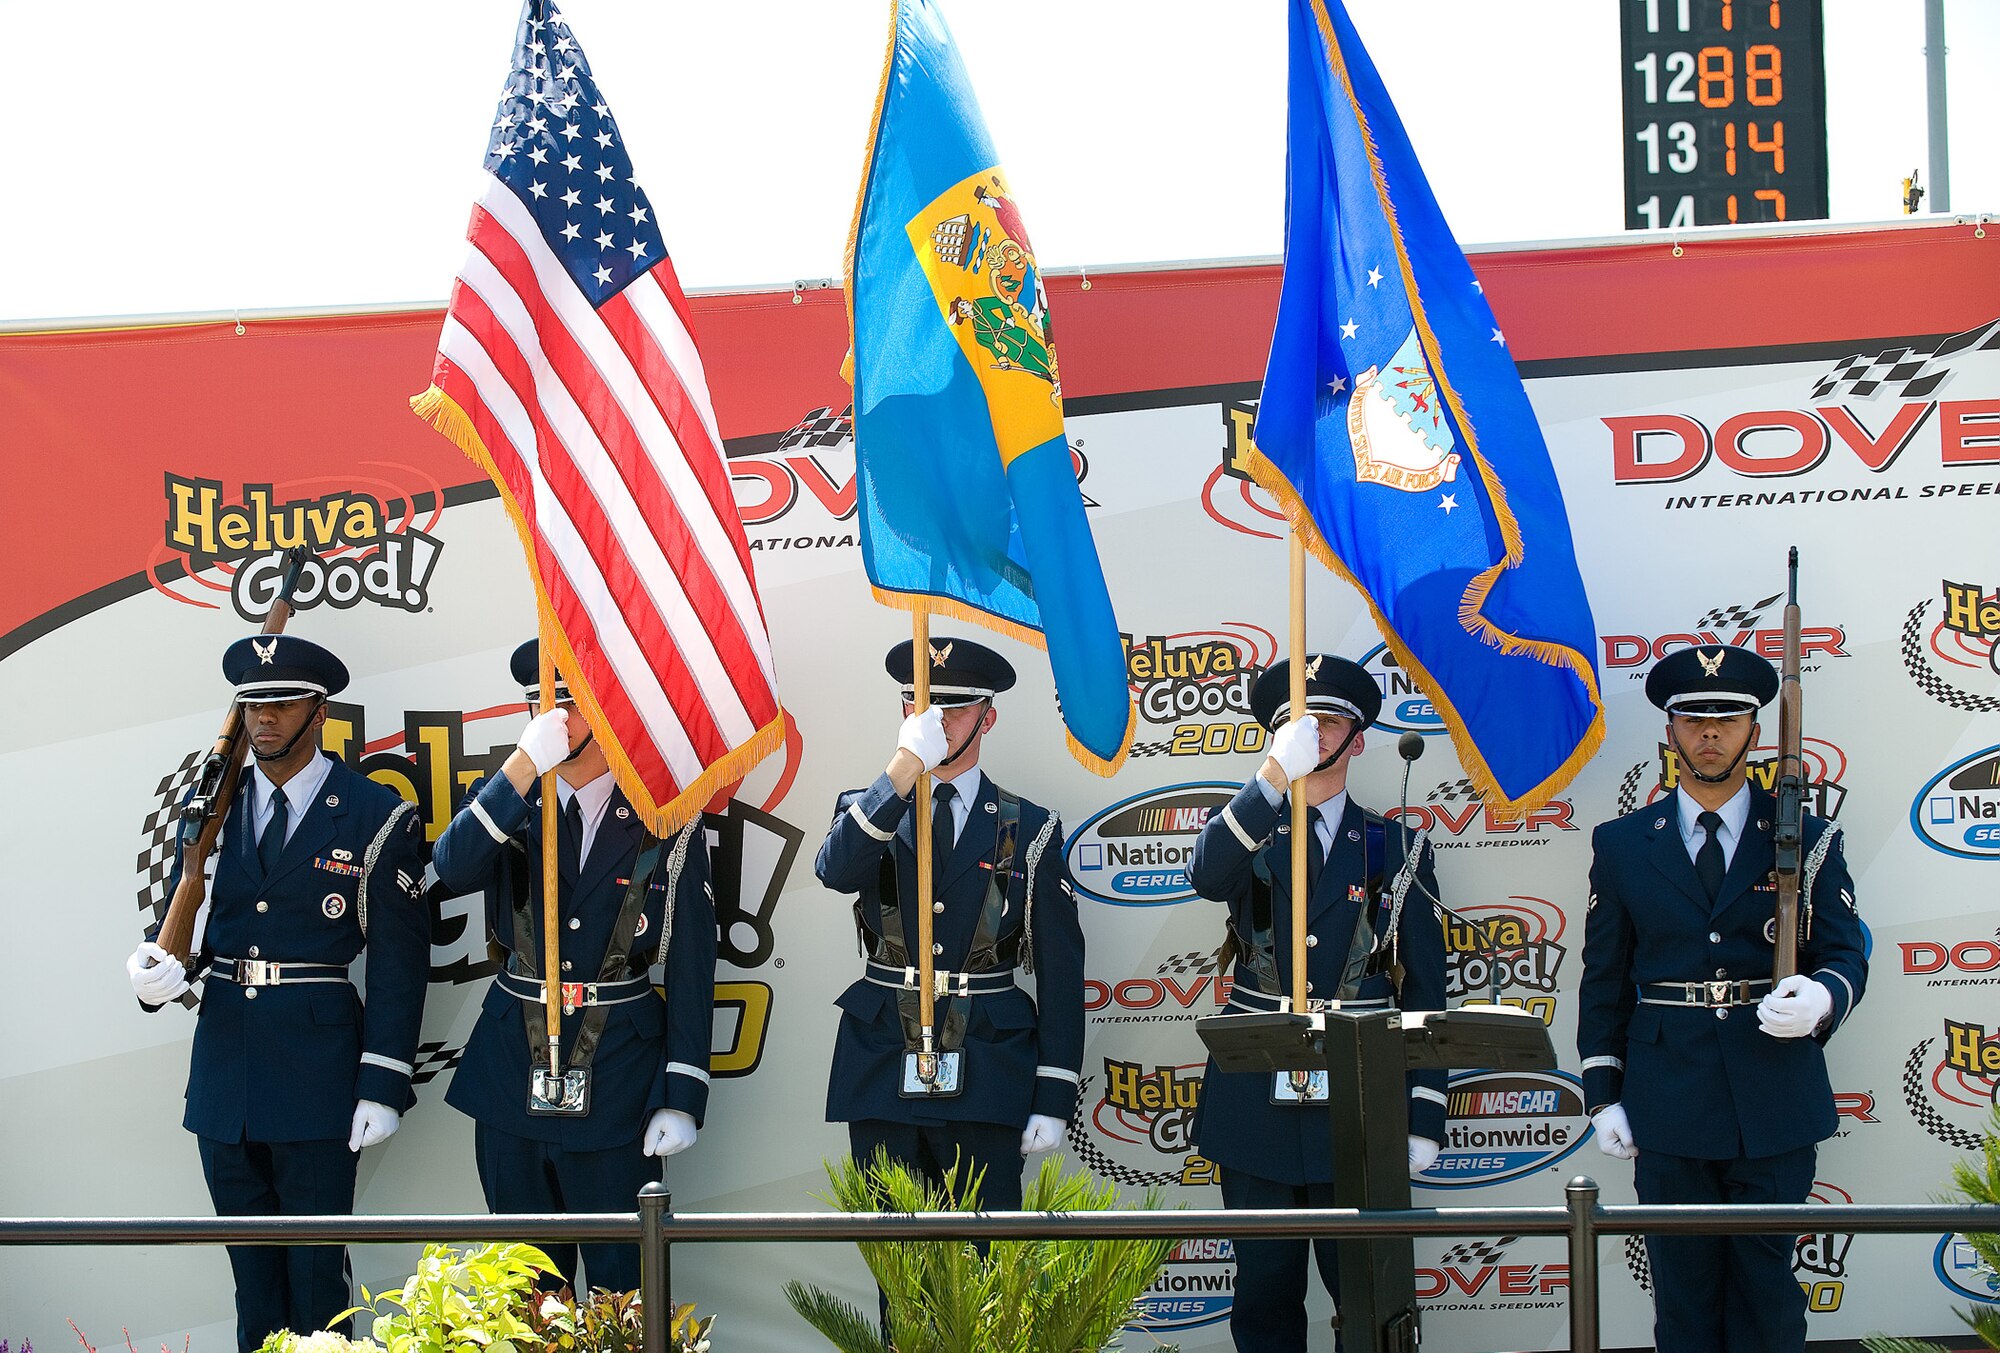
{"points": [[1410, 746]]}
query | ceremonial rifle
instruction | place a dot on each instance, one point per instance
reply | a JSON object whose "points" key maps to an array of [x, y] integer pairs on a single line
{"points": [[1789, 832], [208, 807]]}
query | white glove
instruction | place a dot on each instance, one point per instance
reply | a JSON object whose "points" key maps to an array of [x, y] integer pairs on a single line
{"points": [[1423, 1154], [546, 740], [157, 976], [1614, 1132], [1043, 1133], [922, 736], [668, 1132], [1295, 747], [1794, 1008], [372, 1123]]}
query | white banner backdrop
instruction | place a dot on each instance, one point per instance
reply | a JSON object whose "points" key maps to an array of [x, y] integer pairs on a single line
{"points": [[1685, 479]]}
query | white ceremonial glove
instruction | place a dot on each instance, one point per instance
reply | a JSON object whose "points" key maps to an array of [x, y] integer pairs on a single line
{"points": [[372, 1123], [1423, 1154], [1794, 1008], [1614, 1132], [668, 1132], [922, 736], [157, 976], [1295, 747], [1043, 1133], [546, 740]]}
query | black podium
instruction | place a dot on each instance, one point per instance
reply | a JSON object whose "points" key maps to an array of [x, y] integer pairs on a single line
{"points": [[1365, 1053]]}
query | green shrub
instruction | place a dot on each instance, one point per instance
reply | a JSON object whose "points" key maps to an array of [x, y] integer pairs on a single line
{"points": [[1974, 1184]]}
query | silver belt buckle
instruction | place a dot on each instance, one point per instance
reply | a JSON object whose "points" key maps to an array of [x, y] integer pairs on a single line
{"points": [[1718, 992], [256, 972]]}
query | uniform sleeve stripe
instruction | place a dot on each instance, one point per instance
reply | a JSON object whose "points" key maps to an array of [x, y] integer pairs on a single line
{"points": [[1844, 984], [1425, 1092], [387, 1063], [485, 820], [1615, 1063], [1056, 1073], [1237, 827], [861, 821], [691, 1072]]}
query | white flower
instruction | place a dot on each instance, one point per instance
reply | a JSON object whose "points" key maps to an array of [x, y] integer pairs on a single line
{"points": [[551, 1306], [321, 1341]]}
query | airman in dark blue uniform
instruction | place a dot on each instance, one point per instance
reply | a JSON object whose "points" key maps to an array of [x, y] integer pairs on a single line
{"points": [[291, 1075], [633, 1082], [1693, 1062], [1373, 938], [1002, 904]]}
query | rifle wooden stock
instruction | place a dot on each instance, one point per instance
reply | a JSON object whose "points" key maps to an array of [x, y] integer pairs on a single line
{"points": [[1789, 830], [222, 776]]}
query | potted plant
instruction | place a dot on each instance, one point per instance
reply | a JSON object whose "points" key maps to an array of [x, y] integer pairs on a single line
{"points": [[1020, 1296]]}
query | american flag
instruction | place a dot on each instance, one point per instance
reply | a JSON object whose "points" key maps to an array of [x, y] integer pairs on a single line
{"points": [[568, 370]]}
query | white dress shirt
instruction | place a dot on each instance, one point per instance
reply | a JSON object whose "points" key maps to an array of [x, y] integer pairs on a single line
{"points": [[1733, 815]]}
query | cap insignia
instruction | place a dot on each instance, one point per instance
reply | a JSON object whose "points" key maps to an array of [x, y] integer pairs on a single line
{"points": [[266, 653], [941, 656], [1710, 667], [1312, 668]]}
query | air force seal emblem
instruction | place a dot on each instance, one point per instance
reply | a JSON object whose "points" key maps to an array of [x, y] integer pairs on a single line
{"points": [[1396, 426]]}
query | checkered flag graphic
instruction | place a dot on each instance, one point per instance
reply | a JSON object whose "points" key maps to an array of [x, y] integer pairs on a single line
{"points": [[1453, 791], [433, 1060], [819, 430], [1928, 681], [1150, 749], [1635, 1260], [1736, 617], [1904, 372], [1628, 789], [160, 835], [1102, 1165], [1478, 1252], [1928, 1118], [1194, 961]]}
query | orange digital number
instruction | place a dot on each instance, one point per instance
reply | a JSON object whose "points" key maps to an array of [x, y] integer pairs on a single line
{"points": [[1716, 66], [1770, 74], [1774, 197], [1729, 148], [1775, 148], [1728, 15]]}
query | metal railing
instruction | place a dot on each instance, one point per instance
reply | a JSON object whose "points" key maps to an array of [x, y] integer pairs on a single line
{"points": [[657, 1229]]}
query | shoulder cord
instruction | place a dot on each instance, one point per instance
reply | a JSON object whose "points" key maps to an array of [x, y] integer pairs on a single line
{"points": [[676, 860], [1407, 875], [1809, 875], [1035, 850], [371, 855]]}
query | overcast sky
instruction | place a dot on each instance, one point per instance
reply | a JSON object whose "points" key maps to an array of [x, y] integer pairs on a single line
{"points": [[246, 154]]}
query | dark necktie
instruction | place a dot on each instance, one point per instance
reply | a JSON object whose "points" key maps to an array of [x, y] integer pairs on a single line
{"points": [[272, 843], [1315, 856], [941, 826], [570, 838], [1708, 862]]}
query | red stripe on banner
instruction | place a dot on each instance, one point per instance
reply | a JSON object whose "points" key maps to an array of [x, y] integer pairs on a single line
{"points": [[635, 606], [649, 495], [626, 723], [678, 406]]}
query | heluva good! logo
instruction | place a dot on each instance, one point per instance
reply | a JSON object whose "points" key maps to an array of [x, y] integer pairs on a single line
{"points": [[1457, 819], [1504, 1124], [1193, 1288], [1522, 945], [1491, 1274], [1142, 1119], [1949, 650], [361, 548], [1958, 812], [1825, 768], [1959, 1267], [1951, 1095], [1230, 497], [1197, 684], [1136, 852], [1405, 706]]}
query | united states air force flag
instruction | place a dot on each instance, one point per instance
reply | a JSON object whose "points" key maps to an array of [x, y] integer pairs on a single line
{"points": [[1394, 429], [968, 500]]}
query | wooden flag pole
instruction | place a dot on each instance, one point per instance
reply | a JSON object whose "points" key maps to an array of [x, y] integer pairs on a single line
{"points": [[551, 848], [1300, 831], [920, 666]]}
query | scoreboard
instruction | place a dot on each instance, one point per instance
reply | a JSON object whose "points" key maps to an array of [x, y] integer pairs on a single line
{"points": [[1725, 112]]}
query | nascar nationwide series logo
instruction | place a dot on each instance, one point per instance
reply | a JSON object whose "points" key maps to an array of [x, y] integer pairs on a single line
{"points": [[1136, 852], [1138, 1132], [1948, 647], [1405, 706], [1952, 1095], [1819, 1258], [1863, 413], [1198, 684], [1456, 818], [1525, 949], [1183, 987], [361, 548], [1194, 1287], [1505, 1124], [1958, 812], [1491, 1275], [1825, 771], [1958, 1266], [1737, 625], [1966, 963]]}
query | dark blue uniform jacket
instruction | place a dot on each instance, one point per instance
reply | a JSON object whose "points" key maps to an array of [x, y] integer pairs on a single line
{"points": [[654, 1052], [1707, 1083], [1017, 1060], [1235, 1124]]}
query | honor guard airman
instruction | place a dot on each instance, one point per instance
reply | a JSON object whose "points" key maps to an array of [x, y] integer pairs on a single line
{"points": [[631, 1081], [1373, 940], [1693, 1062], [1002, 905], [291, 1075]]}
